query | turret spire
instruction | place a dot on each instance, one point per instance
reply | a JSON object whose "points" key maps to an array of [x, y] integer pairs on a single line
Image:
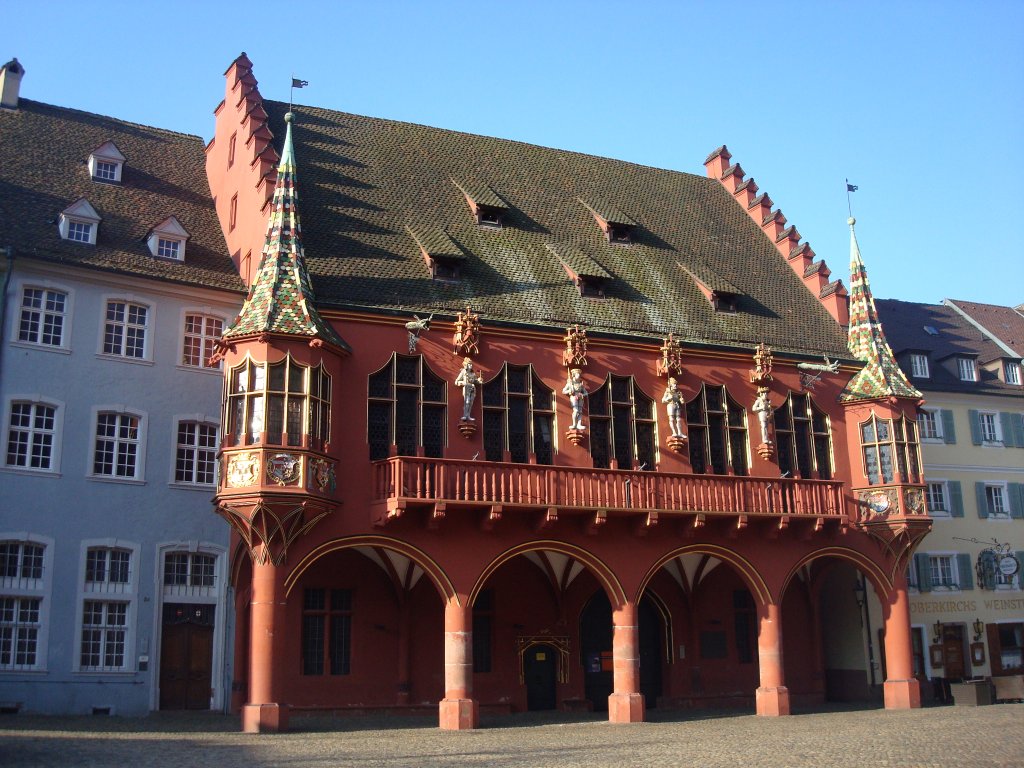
{"points": [[281, 298], [880, 376]]}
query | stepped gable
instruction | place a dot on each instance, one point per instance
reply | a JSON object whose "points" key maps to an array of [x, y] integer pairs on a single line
{"points": [[368, 182], [281, 298], [880, 377], [43, 170]]}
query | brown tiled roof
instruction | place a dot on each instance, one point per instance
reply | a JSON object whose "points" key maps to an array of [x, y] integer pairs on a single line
{"points": [[365, 182], [905, 322], [1004, 323], [44, 152]]}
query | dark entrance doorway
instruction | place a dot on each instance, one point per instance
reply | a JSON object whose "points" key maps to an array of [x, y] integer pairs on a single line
{"points": [[953, 651], [186, 656], [540, 670], [596, 646]]}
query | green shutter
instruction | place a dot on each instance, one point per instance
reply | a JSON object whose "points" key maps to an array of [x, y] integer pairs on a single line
{"points": [[965, 571], [956, 499], [1016, 501], [1020, 570], [1006, 424], [975, 421], [979, 496], [924, 573], [1017, 422], [948, 430]]}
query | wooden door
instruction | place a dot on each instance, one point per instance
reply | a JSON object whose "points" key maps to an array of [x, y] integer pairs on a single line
{"points": [[953, 652], [540, 670], [186, 661]]}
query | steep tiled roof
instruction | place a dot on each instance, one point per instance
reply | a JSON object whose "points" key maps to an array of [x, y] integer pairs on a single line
{"points": [[905, 324], [880, 376], [44, 152], [281, 298], [1004, 323], [366, 183]]}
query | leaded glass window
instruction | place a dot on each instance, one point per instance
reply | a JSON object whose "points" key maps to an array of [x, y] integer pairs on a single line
{"points": [[621, 425], [718, 433], [803, 438], [518, 416], [407, 408]]}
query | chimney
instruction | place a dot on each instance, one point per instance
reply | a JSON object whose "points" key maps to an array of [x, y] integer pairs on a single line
{"points": [[10, 83]]}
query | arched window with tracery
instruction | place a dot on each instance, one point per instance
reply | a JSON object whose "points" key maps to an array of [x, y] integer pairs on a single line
{"points": [[718, 433], [407, 407], [621, 425], [803, 438], [282, 403], [890, 446], [518, 416]]}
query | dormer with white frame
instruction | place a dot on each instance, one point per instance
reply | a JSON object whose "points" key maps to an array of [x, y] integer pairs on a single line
{"points": [[167, 239], [79, 222], [106, 163]]}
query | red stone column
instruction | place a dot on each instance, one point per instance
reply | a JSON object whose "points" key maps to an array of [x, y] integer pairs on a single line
{"points": [[902, 689], [404, 653], [458, 710], [240, 663], [626, 704], [265, 711], [772, 696]]}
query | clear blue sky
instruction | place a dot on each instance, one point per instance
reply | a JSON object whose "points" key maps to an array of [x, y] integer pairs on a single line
{"points": [[921, 104]]}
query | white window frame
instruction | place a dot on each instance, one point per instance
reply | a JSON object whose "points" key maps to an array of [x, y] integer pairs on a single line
{"points": [[106, 170], [919, 366], [954, 571], [56, 434], [148, 329], [990, 427], [199, 420], [967, 369], [81, 214], [140, 442], [940, 488], [21, 587], [80, 231], [107, 153], [107, 593], [1011, 372], [933, 417], [168, 248], [999, 493], [205, 339], [168, 239], [43, 316]]}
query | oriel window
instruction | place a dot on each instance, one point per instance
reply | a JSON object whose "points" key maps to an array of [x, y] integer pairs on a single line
{"points": [[718, 433], [622, 425], [407, 407], [890, 450], [518, 416]]}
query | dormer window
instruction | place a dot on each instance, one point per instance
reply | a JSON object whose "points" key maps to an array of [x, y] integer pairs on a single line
{"points": [[966, 369], [167, 239], [1011, 372], [919, 366], [443, 257], [723, 295], [105, 163], [488, 209], [723, 301], [79, 223], [589, 277], [617, 226]]}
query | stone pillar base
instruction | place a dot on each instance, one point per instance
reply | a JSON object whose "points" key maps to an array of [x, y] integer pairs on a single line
{"points": [[626, 708], [459, 714], [264, 718], [902, 694], [772, 702]]}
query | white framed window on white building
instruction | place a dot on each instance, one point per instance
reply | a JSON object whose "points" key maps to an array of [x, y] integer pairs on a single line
{"points": [[167, 239], [966, 369], [106, 163], [929, 424], [33, 434], [79, 222], [43, 317], [943, 572], [195, 455], [919, 366], [26, 564], [189, 573], [990, 431], [107, 603], [994, 498], [1011, 372], [119, 441], [126, 329], [201, 332], [938, 498]]}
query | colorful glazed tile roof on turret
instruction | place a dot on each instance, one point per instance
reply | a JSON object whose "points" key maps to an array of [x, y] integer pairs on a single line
{"points": [[281, 298], [880, 376]]}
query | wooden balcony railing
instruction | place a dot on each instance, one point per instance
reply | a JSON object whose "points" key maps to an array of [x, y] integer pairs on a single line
{"points": [[401, 481]]}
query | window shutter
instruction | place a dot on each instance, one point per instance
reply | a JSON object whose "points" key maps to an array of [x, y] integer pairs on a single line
{"points": [[1017, 421], [964, 570], [1006, 424], [948, 430], [1020, 569], [956, 499], [924, 573], [995, 649], [975, 420], [1016, 500], [979, 495]]}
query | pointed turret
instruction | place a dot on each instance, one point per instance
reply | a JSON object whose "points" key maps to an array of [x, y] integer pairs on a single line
{"points": [[880, 377], [281, 299]]}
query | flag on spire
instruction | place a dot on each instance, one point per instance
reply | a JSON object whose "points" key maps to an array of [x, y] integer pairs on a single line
{"points": [[296, 83]]}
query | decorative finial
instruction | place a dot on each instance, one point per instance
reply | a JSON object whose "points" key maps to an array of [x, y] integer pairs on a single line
{"points": [[288, 117], [851, 221]]}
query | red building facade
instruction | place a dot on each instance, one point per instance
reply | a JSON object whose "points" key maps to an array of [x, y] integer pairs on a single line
{"points": [[422, 516]]}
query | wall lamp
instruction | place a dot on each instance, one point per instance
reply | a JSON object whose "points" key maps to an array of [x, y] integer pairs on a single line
{"points": [[979, 627], [938, 631]]}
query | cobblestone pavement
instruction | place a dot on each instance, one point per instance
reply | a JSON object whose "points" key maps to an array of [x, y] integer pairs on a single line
{"points": [[963, 737]]}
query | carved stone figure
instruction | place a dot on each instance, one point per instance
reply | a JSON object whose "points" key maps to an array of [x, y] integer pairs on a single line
{"points": [[673, 400], [671, 362], [577, 392], [467, 333], [762, 372], [575, 353], [415, 327], [468, 379], [764, 410]]}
